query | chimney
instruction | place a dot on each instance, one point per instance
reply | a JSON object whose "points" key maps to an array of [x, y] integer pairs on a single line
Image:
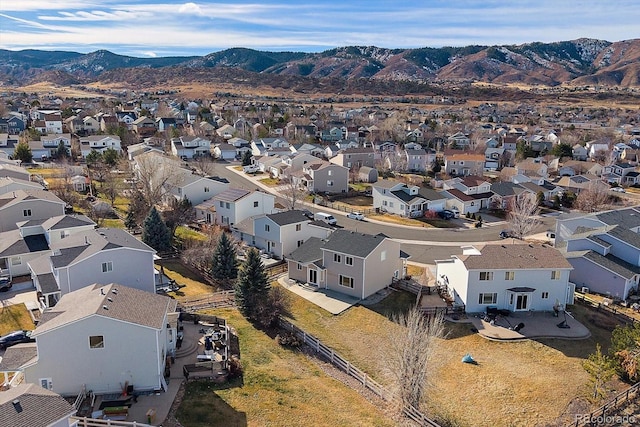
{"points": [[17, 406]]}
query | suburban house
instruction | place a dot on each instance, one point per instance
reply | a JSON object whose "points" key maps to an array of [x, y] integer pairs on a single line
{"points": [[458, 163], [620, 173], [323, 177], [367, 174], [270, 147], [99, 143], [33, 239], [8, 144], [196, 188], [225, 152], [101, 337], [468, 194], [10, 170], [31, 405], [8, 184], [190, 147], [102, 255], [348, 262], [419, 160], [512, 277], [165, 123], [235, 205], [26, 205], [144, 126], [579, 152], [404, 200], [12, 125], [280, 233], [578, 183], [48, 145], [604, 249], [494, 158], [355, 157], [504, 193], [577, 167], [532, 168], [459, 141], [53, 123]]}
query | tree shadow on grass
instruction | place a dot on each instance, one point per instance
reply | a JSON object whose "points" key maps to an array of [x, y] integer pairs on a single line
{"points": [[201, 406]]}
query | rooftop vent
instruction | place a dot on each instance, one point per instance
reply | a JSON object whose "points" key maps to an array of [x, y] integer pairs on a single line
{"points": [[105, 307], [17, 406], [114, 291], [109, 299]]}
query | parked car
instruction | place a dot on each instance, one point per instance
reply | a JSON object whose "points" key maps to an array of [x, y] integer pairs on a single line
{"points": [[356, 215], [456, 212], [15, 337], [307, 213], [505, 234], [250, 169], [5, 284], [328, 218], [446, 214], [618, 189]]}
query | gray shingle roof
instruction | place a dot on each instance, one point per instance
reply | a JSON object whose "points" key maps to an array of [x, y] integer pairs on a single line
{"points": [[288, 217], [123, 303], [626, 218], [17, 355], [232, 194], [38, 407], [515, 257], [609, 262], [353, 243], [309, 251], [12, 243]]}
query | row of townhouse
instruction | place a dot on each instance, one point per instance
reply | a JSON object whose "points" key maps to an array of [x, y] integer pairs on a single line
{"points": [[47, 146]]}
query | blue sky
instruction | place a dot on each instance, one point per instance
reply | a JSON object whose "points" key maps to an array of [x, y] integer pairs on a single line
{"points": [[169, 28]]}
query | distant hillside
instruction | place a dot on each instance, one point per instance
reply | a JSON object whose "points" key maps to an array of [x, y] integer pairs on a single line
{"points": [[580, 62]]}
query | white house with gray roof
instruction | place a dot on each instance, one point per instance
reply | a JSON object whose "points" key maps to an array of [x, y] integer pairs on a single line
{"points": [[280, 233], [604, 249], [27, 205], [8, 184], [29, 405], [196, 188], [13, 171], [104, 336], [235, 205], [348, 262], [514, 277], [404, 200], [103, 255]]}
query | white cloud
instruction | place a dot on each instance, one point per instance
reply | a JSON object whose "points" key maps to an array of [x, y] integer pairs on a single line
{"points": [[150, 54], [190, 8]]}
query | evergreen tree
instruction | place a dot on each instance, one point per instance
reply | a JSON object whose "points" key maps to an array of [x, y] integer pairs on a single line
{"points": [[110, 157], [246, 158], [252, 287], [62, 151], [155, 233], [130, 219], [23, 152], [224, 266]]}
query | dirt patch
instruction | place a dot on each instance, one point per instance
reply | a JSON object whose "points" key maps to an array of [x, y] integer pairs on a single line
{"points": [[358, 201]]}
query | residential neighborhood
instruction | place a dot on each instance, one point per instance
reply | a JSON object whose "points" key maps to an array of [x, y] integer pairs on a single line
{"points": [[144, 243]]}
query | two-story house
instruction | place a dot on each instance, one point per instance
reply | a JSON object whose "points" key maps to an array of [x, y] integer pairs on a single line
{"points": [[8, 184], [280, 233], [512, 277], [48, 145], [103, 255], [459, 141], [457, 163], [348, 262], [190, 147], [235, 205], [99, 143], [620, 173], [26, 205], [144, 126], [8, 144], [53, 123], [355, 157], [196, 188], [10, 170], [604, 249], [103, 336], [323, 177]]}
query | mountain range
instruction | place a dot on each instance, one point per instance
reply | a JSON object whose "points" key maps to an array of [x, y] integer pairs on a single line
{"points": [[577, 62]]}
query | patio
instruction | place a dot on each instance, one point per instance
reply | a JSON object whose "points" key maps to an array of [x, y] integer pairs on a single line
{"points": [[527, 325], [333, 302]]}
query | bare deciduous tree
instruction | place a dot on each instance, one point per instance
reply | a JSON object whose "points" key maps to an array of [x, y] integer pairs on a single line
{"points": [[292, 192], [411, 361], [523, 210], [156, 176], [592, 199]]}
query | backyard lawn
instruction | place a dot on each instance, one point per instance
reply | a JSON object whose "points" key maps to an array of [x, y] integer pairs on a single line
{"points": [[183, 276], [280, 387], [15, 317]]}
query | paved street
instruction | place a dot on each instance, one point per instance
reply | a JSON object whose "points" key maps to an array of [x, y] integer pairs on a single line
{"points": [[424, 244]]}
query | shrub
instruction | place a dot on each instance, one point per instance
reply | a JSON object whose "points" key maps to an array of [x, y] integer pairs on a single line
{"points": [[288, 339], [235, 367]]}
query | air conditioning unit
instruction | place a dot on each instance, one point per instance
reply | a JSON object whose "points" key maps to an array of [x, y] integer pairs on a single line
{"points": [[584, 290]]}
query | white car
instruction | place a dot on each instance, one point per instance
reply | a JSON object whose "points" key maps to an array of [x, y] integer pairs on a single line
{"points": [[618, 189], [355, 215]]}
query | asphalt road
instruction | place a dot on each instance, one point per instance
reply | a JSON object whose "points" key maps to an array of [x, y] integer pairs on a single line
{"points": [[430, 244]]}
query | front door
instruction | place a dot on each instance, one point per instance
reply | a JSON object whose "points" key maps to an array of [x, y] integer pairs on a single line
{"points": [[313, 276], [522, 302]]}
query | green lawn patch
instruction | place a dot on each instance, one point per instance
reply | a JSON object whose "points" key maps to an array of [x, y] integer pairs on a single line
{"points": [[271, 182]]}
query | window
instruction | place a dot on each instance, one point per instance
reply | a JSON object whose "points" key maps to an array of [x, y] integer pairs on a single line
{"points": [[206, 189], [64, 233], [337, 258], [384, 203], [329, 172], [486, 275], [300, 242], [255, 204], [329, 183], [348, 260], [555, 275], [26, 212], [509, 275], [227, 205], [383, 255], [16, 260], [96, 341], [299, 266], [488, 298], [266, 227], [298, 227], [390, 204], [346, 281], [222, 204], [107, 266], [545, 295]]}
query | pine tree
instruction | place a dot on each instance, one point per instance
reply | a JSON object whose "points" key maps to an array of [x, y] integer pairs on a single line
{"points": [[224, 266], [246, 158], [130, 219], [155, 233], [23, 152], [252, 287]]}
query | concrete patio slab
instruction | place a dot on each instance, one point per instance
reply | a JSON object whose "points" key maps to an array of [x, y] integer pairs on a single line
{"points": [[333, 302], [537, 325]]}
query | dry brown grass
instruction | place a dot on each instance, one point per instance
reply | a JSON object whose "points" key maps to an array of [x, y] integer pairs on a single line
{"points": [[15, 317], [178, 272], [399, 220]]}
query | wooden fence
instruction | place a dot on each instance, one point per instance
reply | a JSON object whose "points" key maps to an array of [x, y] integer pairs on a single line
{"points": [[611, 309], [599, 416], [220, 299], [94, 422], [343, 364], [342, 206]]}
